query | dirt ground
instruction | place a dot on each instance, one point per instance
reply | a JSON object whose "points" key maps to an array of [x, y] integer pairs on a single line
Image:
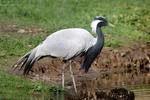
{"points": [[135, 60], [10, 28]]}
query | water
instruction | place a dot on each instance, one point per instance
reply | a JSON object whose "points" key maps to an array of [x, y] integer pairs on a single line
{"points": [[142, 92], [91, 84]]}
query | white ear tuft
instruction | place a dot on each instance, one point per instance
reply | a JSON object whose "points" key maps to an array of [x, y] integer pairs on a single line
{"points": [[94, 25]]}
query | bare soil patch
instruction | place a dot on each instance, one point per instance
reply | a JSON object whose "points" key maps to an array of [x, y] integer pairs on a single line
{"points": [[8, 28]]}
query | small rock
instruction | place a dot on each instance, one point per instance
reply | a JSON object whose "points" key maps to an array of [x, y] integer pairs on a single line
{"points": [[21, 31], [29, 45]]}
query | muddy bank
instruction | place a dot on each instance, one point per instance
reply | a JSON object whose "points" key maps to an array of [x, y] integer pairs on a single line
{"points": [[133, 60], [113, 68]]}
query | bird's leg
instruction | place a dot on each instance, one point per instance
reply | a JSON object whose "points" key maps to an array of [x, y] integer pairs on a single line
{"points": [[63, 71], [81, 66], [81, 69], [72, 76]]}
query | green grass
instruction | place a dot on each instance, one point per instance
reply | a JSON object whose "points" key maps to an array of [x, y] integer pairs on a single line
{"points": [[17, 88], [131, 18], [13, 46], [20, 88]]}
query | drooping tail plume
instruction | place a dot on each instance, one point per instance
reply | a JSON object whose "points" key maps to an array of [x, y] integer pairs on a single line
{"points": [[21, 61], [28, 60]]}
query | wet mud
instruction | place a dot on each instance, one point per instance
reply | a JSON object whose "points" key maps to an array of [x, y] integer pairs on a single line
{"points": [[113, 94]]}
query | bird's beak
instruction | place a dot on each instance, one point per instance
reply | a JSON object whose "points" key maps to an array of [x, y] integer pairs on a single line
{"points": [[109, 24]]}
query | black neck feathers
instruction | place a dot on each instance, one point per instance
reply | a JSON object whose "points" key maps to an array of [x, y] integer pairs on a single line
{"points": [[93, 51]]}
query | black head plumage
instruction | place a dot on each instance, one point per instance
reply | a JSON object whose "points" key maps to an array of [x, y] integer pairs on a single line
{"points": [[101, 18], [103, 21]]}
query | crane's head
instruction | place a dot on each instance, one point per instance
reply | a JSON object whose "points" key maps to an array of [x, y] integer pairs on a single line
{"points": [[100, 21]]}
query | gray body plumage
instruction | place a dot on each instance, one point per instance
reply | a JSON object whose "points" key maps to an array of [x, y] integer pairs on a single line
{"points": [[66, 43]]}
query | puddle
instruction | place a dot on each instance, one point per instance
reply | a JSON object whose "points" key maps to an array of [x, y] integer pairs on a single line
{"points": [[128, 85], [102, 89], [142, 92]]}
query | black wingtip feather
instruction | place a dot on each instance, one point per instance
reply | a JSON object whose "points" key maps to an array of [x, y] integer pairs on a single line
{"points": [[30, 64], [27, 67], [21, 62]]}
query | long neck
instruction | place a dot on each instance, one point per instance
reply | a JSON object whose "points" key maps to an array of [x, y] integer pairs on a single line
{"points": [[93, 52], [100, 40]]}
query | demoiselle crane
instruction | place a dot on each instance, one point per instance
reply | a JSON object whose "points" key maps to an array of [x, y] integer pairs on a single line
{"points": [[67, 44]]}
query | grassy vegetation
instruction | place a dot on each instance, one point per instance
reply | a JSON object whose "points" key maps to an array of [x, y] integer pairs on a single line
{"points": [[131, 18], [14, 46], [16, 88], [19, 88]]}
